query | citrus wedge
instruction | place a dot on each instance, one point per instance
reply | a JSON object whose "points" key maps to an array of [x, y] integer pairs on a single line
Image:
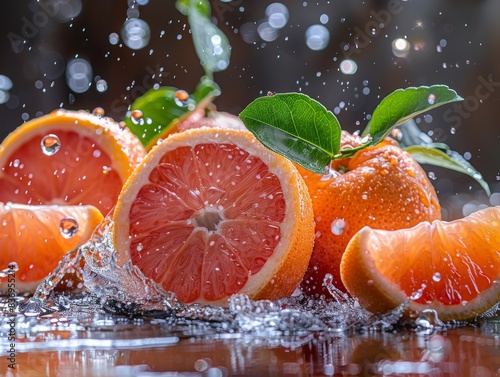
{"points": [[67, 157], [37, 237], [451, 267], [212, 212]]}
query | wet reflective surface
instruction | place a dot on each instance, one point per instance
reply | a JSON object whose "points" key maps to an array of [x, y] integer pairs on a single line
{"points": [[86, 338]]}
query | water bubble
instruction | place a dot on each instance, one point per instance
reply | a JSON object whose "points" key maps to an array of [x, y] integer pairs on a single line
{"points": [[348, 67], [317, 37], [135, 33], [277, 15], [267, 32], [338, 226], [136, 116], [78, 75], [114, 38], [436, 277], [101, 86], [98, 111], [323, 19], [431, 99], [400, 47], [50, 144], [181, 97], [4, 96], [68, 227], [5, 83], [67, 10]]}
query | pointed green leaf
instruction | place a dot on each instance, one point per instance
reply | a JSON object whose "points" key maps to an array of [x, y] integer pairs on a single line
{"points": [[211, 45], [449, 159], [295, 126], [161, 108], [206, 90], [404, 104]]}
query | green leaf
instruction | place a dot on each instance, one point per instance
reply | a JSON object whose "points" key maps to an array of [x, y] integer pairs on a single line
{"points": [[295, 126], [206, 90], [161, 108], [404, 104], [184, 6], [211, 45], [450, 160]]}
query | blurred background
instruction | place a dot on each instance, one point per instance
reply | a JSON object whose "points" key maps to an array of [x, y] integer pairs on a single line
{"points": [[82, 54]]}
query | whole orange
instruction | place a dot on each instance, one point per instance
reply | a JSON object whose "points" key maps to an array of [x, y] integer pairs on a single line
{"points": [[380, 186]]}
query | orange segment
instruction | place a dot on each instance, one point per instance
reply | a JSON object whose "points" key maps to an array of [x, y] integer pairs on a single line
{"points": [[67, 157], [37, 237], [212, 212], [452, 267]]}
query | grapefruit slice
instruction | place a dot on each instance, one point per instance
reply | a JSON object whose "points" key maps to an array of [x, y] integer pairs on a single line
{"points": [[211, 212], [451, 267], [37, 237], [67, 157]]}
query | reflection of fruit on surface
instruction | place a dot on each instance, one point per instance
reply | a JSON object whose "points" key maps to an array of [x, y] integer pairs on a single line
{"points": [[37, 237], [453, 267], [67, 157], [212, 212], [381, 186]]}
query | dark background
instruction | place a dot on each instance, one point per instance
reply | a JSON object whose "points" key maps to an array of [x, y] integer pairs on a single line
{"points": [[467, 33]]}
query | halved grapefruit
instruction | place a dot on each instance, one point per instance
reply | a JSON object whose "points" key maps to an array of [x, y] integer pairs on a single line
{"points": [[211, 212]]}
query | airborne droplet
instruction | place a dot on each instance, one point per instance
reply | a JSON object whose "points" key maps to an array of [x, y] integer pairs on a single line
{"points": [[50, 144], [181, 97], [338, 226], [68, 227], [98, 111], [136, 116]]}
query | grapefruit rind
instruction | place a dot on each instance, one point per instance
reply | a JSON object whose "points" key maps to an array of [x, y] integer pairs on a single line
{"points": [[364, 280], [102, 129], [285, 268]]}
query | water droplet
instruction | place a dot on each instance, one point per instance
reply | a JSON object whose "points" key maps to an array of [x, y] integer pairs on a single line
{"points": [[436, 277], [98, 111], [79, 75], [181, 97], [101, 86], [122, 125], [400, 47], [50, 144], [114, 38], [431, 99], [348, 67], [338, 226], [68, 227], [136, 33], [317, 37], [136, 116]]}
